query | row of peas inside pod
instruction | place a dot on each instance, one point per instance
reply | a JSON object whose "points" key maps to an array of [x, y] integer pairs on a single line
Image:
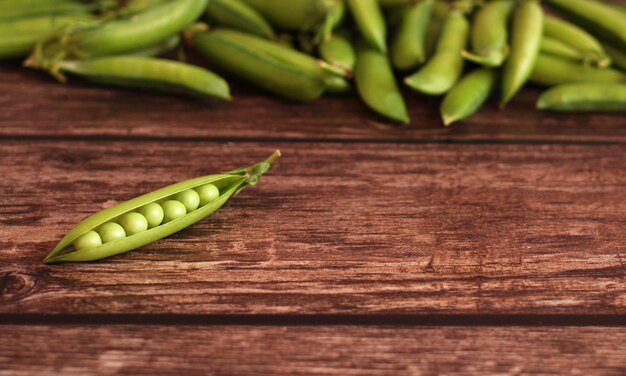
{"points": [[148, 216], [464, 51]]}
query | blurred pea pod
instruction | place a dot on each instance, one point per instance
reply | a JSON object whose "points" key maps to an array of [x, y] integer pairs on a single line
{"points": [[292, 15], [551, 70], [393, 3], [281, 70], [584, 97], [14, 10], [370, 21], [333, 19], [240, 16], [408, 47], [525, 44], [553, 46], [19, 37], [437, 19], [149, 73], [376, 84], [601, 19], [446, 65], [617, 56], [338, 51], [490, 34], [577, 38], [466, 97], [117, 36]]}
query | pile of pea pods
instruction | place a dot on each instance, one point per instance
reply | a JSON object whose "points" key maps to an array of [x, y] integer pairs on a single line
{"points": [[464, 50]]}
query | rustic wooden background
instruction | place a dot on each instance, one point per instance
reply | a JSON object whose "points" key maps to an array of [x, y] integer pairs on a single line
{"points": [[497, 245]]}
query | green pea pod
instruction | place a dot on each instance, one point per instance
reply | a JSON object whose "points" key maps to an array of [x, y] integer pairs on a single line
{"points": [[267, 64], [133, 7], [376, 84], [446, 65], [394, 3], [618, 57], [552, 46], [370, 22], [19, 37], [228, 184], [22, 9], [408, 47], [584, 97], [333, 19], [240, 16], [115, 36], [292, 15], [150, 73], [437, 19], [576, 38], [338, 85], [160, 48], [490, 33], [466, 97], [551, 70], [525, 44], [599, 18], [338, 51]]}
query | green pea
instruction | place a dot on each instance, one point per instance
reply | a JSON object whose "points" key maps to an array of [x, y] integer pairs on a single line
{"points": [[292, 15], [577, 38], [87, 240], [408, 47], [133, 223], [207, 193], [150, 73], [338, 51], [466, 97], [172, 210], [393, 3], [584, 97], [437, 19], [229, 183], [19, 37], [376, 84], [370, 22], [269, 65], [153, 213], [111, 231], [552, 46], [238, 15], [597, 17], [490, 33], [189, 198], [525, 44], [446, 65], [551, 70]]}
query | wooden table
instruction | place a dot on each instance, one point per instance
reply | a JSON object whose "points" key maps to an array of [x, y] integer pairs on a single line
{"points": [[497, 245]]}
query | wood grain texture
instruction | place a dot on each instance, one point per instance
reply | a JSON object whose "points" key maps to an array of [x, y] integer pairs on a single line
{"points": [[334, 228], [34, 105], [334, 350]]}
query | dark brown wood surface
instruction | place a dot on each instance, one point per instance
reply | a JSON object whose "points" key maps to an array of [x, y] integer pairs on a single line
{"points": [[513, 218], [312, 350]]}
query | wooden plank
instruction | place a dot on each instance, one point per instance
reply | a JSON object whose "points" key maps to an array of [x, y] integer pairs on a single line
{"points": [[34, 105], [334, 350], [334, 228]]}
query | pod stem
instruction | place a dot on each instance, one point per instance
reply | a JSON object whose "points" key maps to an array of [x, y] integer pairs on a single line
{"points": [[254, 172]]}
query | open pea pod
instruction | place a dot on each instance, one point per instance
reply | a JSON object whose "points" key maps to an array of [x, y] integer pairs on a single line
{"points": [[228, 184]]}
